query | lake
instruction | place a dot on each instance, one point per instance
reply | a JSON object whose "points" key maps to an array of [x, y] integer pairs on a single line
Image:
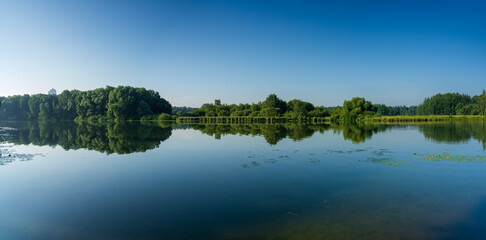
{"points": [[64, 180]]}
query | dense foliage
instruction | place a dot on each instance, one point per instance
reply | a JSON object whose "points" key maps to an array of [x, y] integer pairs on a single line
{"points": [[122, 103], [353, 110], [298, 109], [128, 103], [453, 104], [183, 111], [384, 110], [271, 107]]}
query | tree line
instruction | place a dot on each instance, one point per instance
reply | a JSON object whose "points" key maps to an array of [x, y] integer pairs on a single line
{"points": [[123, 102], [274, 107], [128, 103], [453, 104], [357, 107], [271, 107]]}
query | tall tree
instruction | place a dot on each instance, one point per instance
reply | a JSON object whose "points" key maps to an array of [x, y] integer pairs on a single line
{"points": [[273, 101], [482, 102]]}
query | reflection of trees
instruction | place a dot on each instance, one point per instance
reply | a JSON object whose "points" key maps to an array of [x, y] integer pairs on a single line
{"points": [[356, 134], [455, 132], [128, 137], [480, 134], [272, 133], [121, 138], [359, 133]]}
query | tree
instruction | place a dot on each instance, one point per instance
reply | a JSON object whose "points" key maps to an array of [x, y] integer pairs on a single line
{"points": [[299, 108], [443, 104], [125, 103], [482, 103], [273, 101], [270, 112], [357, 105]]}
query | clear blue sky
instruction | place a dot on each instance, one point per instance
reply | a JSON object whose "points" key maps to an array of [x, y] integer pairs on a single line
{"points": [[391, 52]]}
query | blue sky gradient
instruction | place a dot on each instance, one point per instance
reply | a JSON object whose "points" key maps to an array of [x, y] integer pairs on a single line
{"points": [[391, 52]]}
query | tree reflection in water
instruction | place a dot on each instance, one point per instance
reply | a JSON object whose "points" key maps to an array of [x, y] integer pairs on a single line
{"points": [[120, 138], [130, 137]]}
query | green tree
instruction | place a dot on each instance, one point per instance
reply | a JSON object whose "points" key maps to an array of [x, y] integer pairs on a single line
{"points": [[443, 104], [482, 103], [273, 101], [270, 112], [299, 108], [357, 105]]}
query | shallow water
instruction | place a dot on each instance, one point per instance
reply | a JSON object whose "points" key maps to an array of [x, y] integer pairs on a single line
{"points": [[142, 181]]}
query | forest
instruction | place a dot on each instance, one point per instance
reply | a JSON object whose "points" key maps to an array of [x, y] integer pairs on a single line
{"points": [[273, 106], [453, 104], [294, 110], [129, 103], [123, 103], [352, 110]]}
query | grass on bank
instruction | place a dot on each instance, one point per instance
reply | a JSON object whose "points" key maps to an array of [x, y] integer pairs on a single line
{"points": [[427, 118]]}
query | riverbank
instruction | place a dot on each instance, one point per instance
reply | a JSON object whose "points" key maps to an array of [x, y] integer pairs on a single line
{"points": [[250, 120], [426, 118]]}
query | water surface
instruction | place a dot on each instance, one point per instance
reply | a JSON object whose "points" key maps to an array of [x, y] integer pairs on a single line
{"points": [[154, 181]]}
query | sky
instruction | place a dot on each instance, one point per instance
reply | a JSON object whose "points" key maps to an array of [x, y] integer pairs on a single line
{"points": [[192, 52]]}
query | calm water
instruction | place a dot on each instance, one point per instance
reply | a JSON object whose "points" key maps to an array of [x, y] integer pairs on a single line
{"points": [[134, 181]]}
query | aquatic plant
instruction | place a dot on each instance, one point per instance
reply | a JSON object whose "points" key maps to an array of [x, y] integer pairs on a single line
{"points": [[449, 157], [8, 155], [385, 160]]}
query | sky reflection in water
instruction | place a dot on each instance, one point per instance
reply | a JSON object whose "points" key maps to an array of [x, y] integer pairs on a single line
{"points": [[136, 181]]}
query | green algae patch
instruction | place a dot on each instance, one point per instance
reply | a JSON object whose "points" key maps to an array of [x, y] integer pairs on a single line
{"points": [[445, 156], [385, 160]]}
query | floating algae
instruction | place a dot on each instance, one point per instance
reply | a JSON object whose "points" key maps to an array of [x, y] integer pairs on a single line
{"points": [[385, 160], [7, 155], [335, 151], [359, 150], [271, 160], [381, 152], [255, 163], [349, 151], [449, 157]]}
